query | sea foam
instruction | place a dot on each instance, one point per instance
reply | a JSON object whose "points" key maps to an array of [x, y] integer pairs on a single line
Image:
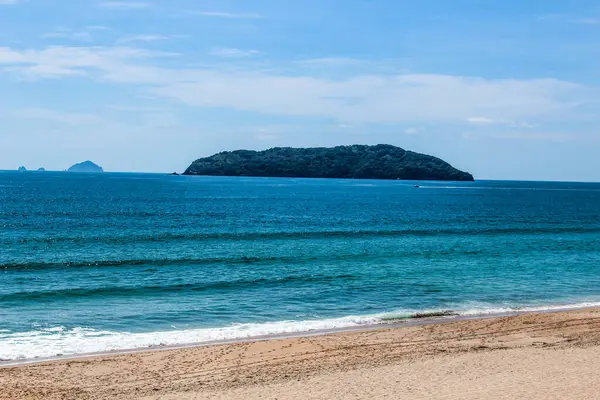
{"points": [[61, 341]]}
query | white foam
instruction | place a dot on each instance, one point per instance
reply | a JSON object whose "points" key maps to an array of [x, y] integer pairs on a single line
{"points": [[502, 310], [60, 341]]}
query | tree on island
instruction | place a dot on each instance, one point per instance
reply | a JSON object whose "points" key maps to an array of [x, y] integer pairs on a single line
{"points": [[350, 162]]}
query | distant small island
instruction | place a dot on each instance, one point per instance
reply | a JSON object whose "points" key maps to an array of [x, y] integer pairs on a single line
{"points": [[346, 162], [86, 166], [23, 169]]}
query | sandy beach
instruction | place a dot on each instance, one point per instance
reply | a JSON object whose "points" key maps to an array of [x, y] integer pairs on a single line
{"points": [[534, 356]]}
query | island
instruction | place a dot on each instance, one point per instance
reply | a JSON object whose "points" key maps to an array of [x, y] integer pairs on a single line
{"points": [[86, 166], [41, 169], [22, 169], [346, 162]]}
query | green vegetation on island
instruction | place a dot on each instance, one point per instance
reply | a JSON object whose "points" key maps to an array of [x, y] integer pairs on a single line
{"points": [[351, 162]]}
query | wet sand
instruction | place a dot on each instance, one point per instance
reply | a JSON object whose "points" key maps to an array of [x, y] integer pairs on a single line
{"points": [[535, 356]]}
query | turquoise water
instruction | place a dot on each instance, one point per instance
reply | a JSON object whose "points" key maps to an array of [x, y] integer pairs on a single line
{"points": [[116, 261]]}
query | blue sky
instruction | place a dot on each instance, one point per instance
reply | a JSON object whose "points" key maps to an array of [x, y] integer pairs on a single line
{"points": [[503, 89]]}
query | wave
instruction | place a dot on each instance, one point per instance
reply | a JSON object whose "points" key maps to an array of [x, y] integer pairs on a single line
{"points": [[136, 291], [150, 262], [62, 341], [180, 262], [294, 235]]}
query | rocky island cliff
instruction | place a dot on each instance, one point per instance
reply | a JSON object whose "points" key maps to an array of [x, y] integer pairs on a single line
{"points": [[346, 162]]}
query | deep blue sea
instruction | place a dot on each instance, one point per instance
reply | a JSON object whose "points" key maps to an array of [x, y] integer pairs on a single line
{"points": [[117, 261]]}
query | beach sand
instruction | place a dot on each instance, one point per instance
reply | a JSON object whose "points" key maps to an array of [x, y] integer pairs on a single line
{"points": [[532, 356]]}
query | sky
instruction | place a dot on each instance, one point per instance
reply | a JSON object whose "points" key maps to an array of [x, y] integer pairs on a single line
{"points": [[503, 89]]}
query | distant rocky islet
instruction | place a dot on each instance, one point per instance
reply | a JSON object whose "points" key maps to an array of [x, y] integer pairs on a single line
{"points": [[86, 166], [23, 169]]}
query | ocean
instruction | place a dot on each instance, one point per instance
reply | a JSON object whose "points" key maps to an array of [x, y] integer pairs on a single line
{"points": [[95, 263]]}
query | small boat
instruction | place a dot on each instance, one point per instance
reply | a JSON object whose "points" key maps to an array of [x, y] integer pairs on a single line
{"points": [[417, 186]]}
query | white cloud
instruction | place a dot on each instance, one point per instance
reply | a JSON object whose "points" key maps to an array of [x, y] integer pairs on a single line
{"points": [[483, 120], [220, 14], [380, 99], [587, 21], [84, 35], [62, 60], [267, 134], [98, 28], [490, 121], [66, 33], [328, 61], [267, 137], [569, 19], [552, 17], [414, 131], [125, 5], [53, 116], [145, 38], [519, 135], [126, 108], [544, 136], [74, 35], [362, 98], [233, 53]]}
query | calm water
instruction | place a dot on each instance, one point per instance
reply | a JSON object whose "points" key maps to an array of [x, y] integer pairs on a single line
{"points": [[114, 261]]}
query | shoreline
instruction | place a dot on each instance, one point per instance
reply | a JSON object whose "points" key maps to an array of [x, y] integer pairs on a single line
{"points": [[530, 355], [383, 325]]}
